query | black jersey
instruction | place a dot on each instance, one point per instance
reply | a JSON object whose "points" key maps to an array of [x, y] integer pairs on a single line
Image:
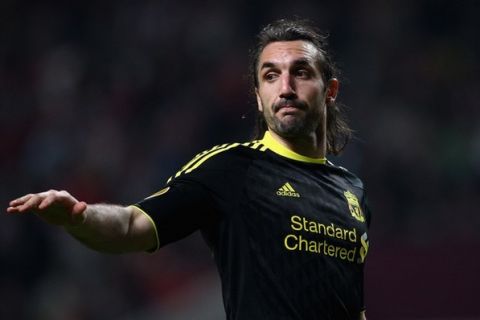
{"points": [[288, 232]]}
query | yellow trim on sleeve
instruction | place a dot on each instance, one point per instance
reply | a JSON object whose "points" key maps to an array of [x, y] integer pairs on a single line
{"points": [[280, 149], [154, 227], [159, 193]]}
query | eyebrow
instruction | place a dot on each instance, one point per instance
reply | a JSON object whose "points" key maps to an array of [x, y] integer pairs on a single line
{"points": [[267, 64], [298, 62]]}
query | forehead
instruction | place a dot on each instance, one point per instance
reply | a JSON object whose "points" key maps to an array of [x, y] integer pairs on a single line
{"points": [[288, 51]]}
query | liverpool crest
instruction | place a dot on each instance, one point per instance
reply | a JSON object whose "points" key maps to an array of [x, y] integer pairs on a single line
{"points": [[354, 206]]}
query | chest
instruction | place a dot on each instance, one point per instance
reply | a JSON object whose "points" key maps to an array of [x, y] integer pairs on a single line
{"points": [[312, 192], [306, 210]]}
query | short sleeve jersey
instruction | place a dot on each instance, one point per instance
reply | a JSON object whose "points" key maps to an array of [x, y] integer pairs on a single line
{"points": [[288, 233]]}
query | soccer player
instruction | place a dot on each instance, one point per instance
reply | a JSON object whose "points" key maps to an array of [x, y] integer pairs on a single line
{"points": [[287, 228]]}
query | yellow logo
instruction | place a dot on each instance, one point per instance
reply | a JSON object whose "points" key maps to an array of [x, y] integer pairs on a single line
{"points": [[364, 248], [354, 206], [287, 191]]}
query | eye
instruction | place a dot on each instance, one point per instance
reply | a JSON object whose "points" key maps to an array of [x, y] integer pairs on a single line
{"points": [[303, 73], [270, 76]]}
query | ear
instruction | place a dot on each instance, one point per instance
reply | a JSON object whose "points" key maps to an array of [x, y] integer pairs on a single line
{"points": [[259, 101], [332, 90]]}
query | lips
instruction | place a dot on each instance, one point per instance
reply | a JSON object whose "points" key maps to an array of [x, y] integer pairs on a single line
{"points": [[289, 107]]}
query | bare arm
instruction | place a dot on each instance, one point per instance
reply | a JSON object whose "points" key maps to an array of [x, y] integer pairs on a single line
{"points": [[106, 228]]}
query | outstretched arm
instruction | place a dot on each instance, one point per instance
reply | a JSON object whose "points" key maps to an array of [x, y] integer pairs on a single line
{"points": [[106, 228]]}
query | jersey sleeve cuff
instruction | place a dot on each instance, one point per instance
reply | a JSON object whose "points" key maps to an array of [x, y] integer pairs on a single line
{"points": [[157, 246]]}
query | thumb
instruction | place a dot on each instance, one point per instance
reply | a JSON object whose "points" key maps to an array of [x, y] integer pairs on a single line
{"points": [[79, 212]]}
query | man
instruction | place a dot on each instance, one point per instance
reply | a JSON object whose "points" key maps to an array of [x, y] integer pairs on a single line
{"points": [[287, 228]]}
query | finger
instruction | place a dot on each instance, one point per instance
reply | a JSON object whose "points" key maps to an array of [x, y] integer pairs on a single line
{"points": [[79, 208], [31, 204], [78, 212], [12, 209], [21, 200], [45, 203]]}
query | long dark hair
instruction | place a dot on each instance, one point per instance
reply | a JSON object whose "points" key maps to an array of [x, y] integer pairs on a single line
{"points": [[338, 131]]}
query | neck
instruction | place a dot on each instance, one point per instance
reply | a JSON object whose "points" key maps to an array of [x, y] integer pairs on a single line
{"points": [[312, 146]]}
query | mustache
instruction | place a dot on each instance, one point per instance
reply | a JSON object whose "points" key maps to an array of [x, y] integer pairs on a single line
{"points": [[289, 103]]}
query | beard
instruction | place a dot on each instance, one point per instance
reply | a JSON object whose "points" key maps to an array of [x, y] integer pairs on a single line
{"points": [[301, 123]]}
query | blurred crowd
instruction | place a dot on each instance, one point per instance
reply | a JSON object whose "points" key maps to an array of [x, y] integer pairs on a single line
{"points": [[107, 99]]}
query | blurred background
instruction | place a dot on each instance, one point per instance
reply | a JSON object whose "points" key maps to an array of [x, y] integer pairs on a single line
{"points": [[107, 99]]}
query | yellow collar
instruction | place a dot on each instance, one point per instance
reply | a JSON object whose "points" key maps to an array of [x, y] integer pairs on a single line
{"points": [[280, 149]]}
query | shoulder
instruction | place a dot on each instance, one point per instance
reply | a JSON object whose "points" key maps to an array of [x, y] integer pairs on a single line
{"points": [[355, 192], [220, 158], [347, 176]]}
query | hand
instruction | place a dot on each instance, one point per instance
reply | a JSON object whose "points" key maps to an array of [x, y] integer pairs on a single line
{"points": [[56, 207]]}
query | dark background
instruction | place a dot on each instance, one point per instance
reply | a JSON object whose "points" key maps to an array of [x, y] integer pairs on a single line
{"points": [[107, 99]]}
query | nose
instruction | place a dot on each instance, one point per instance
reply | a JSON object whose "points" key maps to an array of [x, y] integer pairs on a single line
{"points": [[287, 90]]}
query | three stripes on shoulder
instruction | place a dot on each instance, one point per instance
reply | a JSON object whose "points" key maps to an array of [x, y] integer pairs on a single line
{"points": [[200, 158]]}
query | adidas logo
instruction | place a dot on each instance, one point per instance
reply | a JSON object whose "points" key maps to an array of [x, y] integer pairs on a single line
{"points": [[287, 191]]}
